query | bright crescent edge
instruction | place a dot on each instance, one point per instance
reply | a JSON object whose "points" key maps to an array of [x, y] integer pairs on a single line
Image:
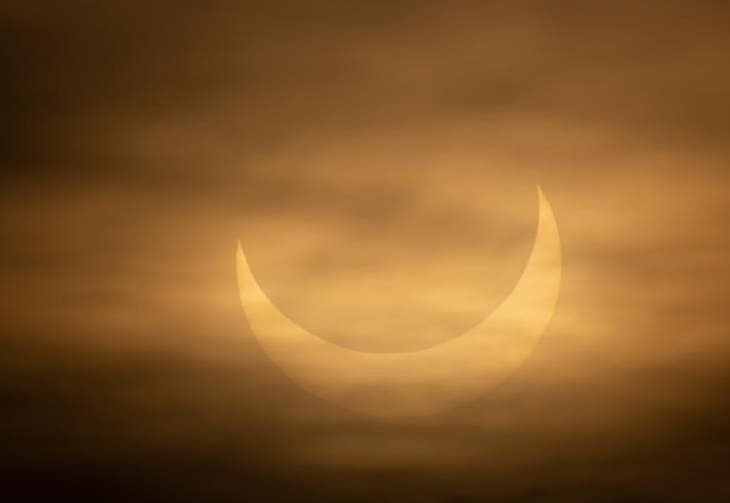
{"points": [[420, 382]]}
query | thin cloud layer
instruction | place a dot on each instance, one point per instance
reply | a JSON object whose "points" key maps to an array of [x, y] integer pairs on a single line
{"points": [[379, 163]]}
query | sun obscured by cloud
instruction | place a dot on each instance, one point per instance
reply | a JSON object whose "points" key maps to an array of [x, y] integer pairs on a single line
{"points": [[379, 163]]}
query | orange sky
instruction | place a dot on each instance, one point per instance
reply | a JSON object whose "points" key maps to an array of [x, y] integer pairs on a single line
{"points": [[379, 163]]}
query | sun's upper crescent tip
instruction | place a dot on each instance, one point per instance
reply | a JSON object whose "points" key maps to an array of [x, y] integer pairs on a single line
{"points": [[240, 256]]}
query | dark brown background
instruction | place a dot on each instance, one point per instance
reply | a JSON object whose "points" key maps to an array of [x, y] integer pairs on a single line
{"points": [[379, 161]]}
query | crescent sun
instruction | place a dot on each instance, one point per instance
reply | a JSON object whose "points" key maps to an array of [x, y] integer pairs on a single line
{"points": [[419, 382]]}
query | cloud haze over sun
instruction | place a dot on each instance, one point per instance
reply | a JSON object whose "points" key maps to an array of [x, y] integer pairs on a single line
{"points": [[378, 162]]}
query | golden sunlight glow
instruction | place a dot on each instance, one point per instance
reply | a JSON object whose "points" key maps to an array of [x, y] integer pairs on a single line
{"points": [[418, 382]]}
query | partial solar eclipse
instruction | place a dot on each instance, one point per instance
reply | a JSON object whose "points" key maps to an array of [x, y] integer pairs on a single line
{"points": [[419, 382]]}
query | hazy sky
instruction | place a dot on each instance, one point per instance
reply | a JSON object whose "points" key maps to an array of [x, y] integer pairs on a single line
{"points": [[378, 160]]}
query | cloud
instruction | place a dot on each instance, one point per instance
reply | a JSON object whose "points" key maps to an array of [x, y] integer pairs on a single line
{"points": [[379, 163]]}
